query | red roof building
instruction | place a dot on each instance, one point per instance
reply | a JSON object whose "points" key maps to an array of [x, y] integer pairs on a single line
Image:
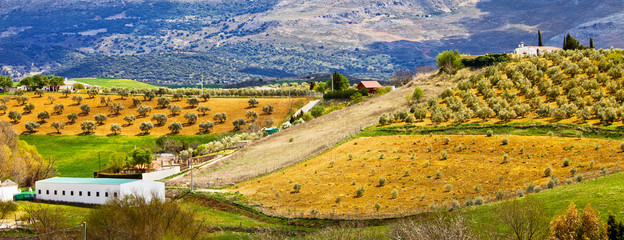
{"points": [[370, 85]]}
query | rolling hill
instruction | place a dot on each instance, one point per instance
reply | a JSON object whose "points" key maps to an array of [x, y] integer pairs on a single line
{"points": [[168, 41]]}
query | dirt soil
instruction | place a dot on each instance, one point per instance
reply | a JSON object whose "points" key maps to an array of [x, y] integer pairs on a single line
{"points": [[412, 170], [234, 107]]}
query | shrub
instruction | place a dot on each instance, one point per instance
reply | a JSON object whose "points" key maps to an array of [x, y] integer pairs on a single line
{"points": [[505, 141], [489, 133], [438, 175], [455, 204], [359, 192], [573, 171], [582, 226], [554, 181], [500, 195], [395, 193], [478, 188], [520, 193], [297, 187], [382, 181], [622, 147], [579, 177], [469, 202], [530, 188], [603, 169], [444, 155], [547, 172], [448, 187], [449, 61], [344, 94], [478, 201], [447, 140], [566, 162], [538, 189], [377, 206], [338, 199], [505, 158]]}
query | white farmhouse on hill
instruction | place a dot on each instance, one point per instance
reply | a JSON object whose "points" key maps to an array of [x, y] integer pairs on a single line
{"points": [[96, 190], [533, 50], [7, 189]]}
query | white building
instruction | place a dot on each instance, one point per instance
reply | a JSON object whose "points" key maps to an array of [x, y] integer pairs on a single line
{"points": [[96, 190], [7, 189], [534, 50]]}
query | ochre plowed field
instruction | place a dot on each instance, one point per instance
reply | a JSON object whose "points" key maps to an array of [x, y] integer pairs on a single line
{"points": [[234, 108], [471, 160]]}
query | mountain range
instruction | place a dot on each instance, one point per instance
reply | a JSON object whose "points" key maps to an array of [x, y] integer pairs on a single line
{"points": [[182, 41]]}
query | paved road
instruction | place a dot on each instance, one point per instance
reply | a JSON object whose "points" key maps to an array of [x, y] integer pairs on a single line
{"points": [[307, 107]]}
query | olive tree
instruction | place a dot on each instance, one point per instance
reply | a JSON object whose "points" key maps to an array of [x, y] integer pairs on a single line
{"points": [[58, 126], [129, 119], [221, 117], [203, 110], [31, 126], [115, 128], [85, 109], [146, 127], [251, 114], [88, 127], [193, 101], [72, 117], [160, 119], [268, 109], [100, 118], [42, 116], [238, 123], [252, 102], [77, 99], [191, 118], [175, 127], [15, 116], [175, 109], [59, 108], [206, 126], [29, 107], [144, 110], [115, 108], [163, 102]]}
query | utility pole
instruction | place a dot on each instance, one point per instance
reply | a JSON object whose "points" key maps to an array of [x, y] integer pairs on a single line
{"points": [[99, 166], [202, 84], [289, 107], [84, 230], [191, 158]]}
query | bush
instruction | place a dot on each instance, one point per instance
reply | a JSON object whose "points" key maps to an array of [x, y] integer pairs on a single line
{"points": [[478, 201], [572, 171], [538, 189], [489, 133], [444, 155], [344, 94], [469, 202], [395, 193], [547, 172], [579, 177], [530, 188], [448, 187], [486, 60], [505, 141], [478, 188], [566, 162], [382, 181], [449, 61], [520, 193], [297, 187], [359, 192]]}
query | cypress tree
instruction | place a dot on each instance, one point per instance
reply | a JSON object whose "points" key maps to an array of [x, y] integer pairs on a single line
{"points": [[591, 42], [570, 43], [539, 35]]}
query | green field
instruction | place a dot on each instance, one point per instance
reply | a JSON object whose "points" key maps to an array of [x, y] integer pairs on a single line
{"points": [[112, 82], [605, 194], [77, 156]]}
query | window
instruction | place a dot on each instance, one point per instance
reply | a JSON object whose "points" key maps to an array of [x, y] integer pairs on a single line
{"points": [[71, 193], [39, 191], [106, 194], [48, 192], [115, 194], [55, 192], [88, 194], [80, 193], [63, 192], [97, 194]]}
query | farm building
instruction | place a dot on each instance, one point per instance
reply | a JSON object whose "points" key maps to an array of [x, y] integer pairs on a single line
{"points": [[7, 189], [370, 85], [95, 190], [534, 50]]}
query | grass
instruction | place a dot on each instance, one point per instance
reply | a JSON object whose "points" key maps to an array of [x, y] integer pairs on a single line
{"points": [[75, 213], [478, 162], [77, 156], [212, 217], [113, 82], [604, 194]]}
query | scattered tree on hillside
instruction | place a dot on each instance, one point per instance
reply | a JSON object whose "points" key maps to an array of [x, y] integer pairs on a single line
{"points": [[85, 109], [238, 123], [52, 99], [4, 108], [251, 114], [136, 102], [221, 117], [191, 118], [66, 92], [39, 92], [205, 96], [123, 93], [149, 96], [100, 118], [160, 119], [143, 110], [539, 36], [77, 98], [206, 126], [88, 127], [268, 109], [163, 102], [42, 116], [192, 101], [252, 102], [72, 117], [31, 126], [129, 119], [203, 109], [58, 126], [92, 93], [175, 127], [29, 107], [115, 128], [146, 127], [115, 108], [175, 109]]}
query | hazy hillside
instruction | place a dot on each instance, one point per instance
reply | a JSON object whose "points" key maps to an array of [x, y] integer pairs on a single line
{"points": [[175, 41]]}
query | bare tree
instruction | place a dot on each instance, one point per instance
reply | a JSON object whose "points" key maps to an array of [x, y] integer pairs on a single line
{"points": [[520, 220], [440, 226]]}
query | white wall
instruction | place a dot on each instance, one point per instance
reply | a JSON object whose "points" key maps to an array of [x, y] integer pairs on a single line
{"points": [[161, 174], [6, 193], [96, 193]]}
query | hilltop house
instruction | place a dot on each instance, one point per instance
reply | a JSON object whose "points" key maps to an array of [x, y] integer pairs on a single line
{"points": [[7, 189], [534, 50], [370, 85], [96, 190]]}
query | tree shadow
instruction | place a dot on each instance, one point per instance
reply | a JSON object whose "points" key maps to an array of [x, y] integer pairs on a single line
{"points": [[54, 133]]}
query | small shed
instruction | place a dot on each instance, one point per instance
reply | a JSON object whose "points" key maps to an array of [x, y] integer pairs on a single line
{"points": [[370, 85], [8, 188], [96, 190], [271, 130]]}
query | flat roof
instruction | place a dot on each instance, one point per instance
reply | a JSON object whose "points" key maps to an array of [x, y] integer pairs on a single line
{"points": [[104, 181]]}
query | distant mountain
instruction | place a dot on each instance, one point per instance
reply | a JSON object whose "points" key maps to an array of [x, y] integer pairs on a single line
{"points": [[176, 42]]}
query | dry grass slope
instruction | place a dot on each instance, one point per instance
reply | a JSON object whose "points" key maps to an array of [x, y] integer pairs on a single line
{"points": [[422, 178], [309, 139]]}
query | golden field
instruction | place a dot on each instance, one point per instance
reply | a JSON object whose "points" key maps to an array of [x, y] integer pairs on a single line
{"points": [[234, 107], [411, 169]]}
